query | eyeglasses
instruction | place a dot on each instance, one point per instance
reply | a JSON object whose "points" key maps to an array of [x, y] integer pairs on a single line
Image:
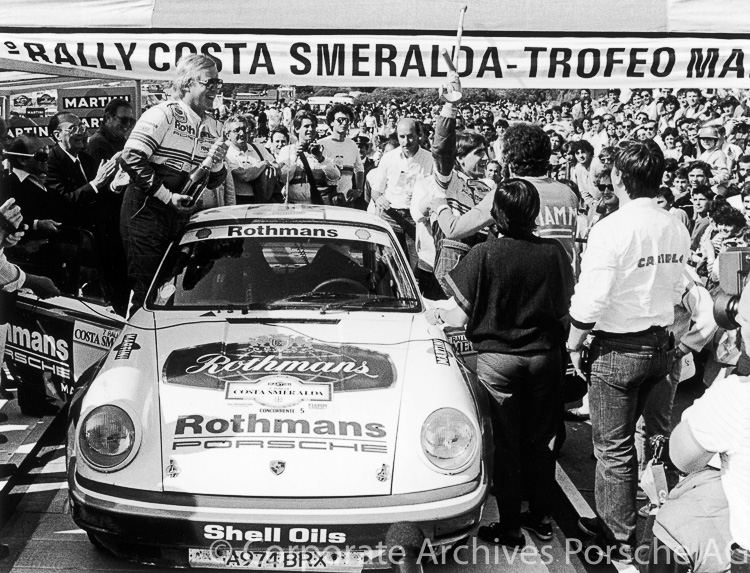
{"points": [[238, 130], [125, 120], [342, 119], [707, 138], [212, 84], [40, 155], [606, 187], [79, 129]]}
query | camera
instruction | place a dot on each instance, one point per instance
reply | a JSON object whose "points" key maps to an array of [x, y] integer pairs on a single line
{"points": [[332, 197], [734, 268], [314, 149]]}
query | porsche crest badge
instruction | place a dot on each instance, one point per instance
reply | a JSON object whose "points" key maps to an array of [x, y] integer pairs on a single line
{"points": [[172, 470], [277, 467]]}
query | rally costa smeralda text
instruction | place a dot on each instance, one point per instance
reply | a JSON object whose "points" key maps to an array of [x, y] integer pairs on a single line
{"points": [[394, 59]]}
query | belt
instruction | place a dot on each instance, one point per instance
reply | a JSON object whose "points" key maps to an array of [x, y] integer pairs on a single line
{"points": [[650, 330]]}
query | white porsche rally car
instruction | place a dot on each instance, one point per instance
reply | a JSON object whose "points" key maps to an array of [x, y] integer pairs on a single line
{"points": [[280, 402]]}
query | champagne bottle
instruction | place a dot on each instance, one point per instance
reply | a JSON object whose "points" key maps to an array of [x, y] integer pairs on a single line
{"points": [[198, 179]]}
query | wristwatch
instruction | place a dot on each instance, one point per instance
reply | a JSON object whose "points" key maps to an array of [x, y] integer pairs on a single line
{"points": [[569, 350]]}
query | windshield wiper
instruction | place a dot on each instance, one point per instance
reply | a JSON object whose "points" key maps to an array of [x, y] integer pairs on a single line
{"points": [[370, 301], [314, 296], [244, 307]]}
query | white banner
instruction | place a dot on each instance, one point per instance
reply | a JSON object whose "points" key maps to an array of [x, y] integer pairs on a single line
{"points": [[399, 60]]}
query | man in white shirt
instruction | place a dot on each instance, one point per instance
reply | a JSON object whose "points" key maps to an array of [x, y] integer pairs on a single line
{"points": [[344, 152], [254, 174], [631, 278], [401, 168], [709, 511]]}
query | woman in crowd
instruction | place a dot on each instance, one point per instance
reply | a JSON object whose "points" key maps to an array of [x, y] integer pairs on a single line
{"points": [[513, 293], [709, 144], [672, 144], [578, 130], [669, 108]]}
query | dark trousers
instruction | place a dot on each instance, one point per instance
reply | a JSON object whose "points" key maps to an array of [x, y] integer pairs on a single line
{"points": [[147, 227], [405, 229], [525, 400]]}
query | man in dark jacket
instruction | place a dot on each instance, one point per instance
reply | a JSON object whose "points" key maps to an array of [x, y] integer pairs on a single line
{"points": [[83, 183], [116, 126]]}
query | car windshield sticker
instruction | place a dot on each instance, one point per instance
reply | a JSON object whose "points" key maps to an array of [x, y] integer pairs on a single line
{"points": [[286, 230], [214, 365]]}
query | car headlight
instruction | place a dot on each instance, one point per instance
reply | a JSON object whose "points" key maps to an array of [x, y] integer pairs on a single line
{"points": [[107, 437], [449, 439]]}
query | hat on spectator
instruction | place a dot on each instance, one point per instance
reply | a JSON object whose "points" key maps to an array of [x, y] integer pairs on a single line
{"points": [[708, 132], [362, 140]]}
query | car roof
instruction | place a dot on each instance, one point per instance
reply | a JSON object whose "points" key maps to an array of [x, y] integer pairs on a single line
{"points": [[277, 211]]}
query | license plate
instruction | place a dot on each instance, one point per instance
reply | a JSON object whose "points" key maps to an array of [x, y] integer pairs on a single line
{"points": [[226, 558]]}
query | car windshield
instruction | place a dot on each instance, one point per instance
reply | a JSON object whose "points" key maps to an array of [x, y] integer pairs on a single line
{"points": [[274, 265]]}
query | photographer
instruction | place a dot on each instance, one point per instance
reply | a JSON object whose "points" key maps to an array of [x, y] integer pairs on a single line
{"points": [[709, 511], [306, 174]]}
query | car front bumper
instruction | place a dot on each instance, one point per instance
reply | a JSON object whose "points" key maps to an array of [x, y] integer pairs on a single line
{"points": [[160, 528]]}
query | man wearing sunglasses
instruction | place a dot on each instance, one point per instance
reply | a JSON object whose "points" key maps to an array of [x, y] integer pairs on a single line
{"points": [[73, 174], [43, 211], [117, 123], [169, 141], [84, 182], [345, 154]]}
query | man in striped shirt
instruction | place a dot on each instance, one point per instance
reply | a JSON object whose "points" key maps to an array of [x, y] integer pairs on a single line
{"points": [[526, 153]]}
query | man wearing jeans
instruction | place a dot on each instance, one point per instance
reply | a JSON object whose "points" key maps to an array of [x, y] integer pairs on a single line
{"points": [[631, 278]]}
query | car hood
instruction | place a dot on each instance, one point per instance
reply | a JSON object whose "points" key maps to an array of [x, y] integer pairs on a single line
{"points": [[282, 408]]}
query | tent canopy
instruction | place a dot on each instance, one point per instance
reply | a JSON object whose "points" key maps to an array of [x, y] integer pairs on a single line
{"points": [[595, 16], [545, 43]]}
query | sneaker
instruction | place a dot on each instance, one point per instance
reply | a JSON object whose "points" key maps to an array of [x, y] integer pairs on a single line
{"points": [[590, 526], [493, 534], [648, 509], [542, 530]]}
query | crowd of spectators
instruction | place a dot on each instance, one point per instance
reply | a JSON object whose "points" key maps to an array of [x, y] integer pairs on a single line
{"points": [[431, 176]]}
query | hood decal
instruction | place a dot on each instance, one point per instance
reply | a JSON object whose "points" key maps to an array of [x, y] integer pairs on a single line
{"points": [[226, 366]]}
